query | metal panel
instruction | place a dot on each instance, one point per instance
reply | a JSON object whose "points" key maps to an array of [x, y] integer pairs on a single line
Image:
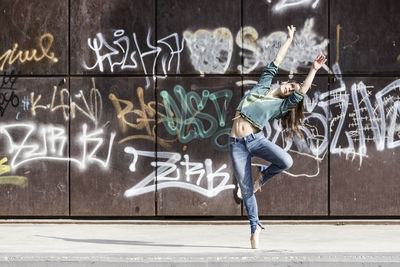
{"points": [[111, 36], [365, 147], [111, 128], [265, 31], [33, 147], [127, 156], [196, 121], [302, 189], [365, 36], [208, 28], [34, 36]]}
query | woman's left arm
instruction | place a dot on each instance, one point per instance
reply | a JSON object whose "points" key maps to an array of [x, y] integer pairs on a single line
{"points": [[317, 64]]}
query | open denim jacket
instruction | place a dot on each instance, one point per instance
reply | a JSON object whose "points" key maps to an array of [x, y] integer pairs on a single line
{"points": [[258, 108]]}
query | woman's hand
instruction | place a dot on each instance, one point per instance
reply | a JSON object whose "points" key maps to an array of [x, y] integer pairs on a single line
{"points": [[291, 31], [319, 61]]}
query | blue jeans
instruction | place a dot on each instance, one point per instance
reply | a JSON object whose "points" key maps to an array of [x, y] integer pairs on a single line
{"points": [[241, 150]]}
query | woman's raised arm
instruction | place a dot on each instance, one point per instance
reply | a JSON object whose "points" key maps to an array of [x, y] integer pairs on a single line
{"points": [[284, 48], [317, 64]]}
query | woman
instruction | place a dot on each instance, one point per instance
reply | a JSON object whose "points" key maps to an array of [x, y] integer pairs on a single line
{"points": [[247, 139]]}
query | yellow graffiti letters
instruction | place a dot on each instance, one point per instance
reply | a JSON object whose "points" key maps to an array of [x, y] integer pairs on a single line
{"points": [[146, 114], [12, 180], [12, 55]]}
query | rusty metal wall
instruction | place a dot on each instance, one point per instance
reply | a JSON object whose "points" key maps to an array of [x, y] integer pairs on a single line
{"points": [[123, 107]]}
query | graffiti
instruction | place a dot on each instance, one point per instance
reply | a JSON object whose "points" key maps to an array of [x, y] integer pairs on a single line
{"points": [[188, 121], [45, 43], [286, 4], [20, 181], [169, 174], [145, 116], [7, 83], [127, 56], [51, 144], [366, 117], [25, 103], [177, 120], [338, 28], [349, 45], [357, 38], [211, 52], [306, 46], [5, 100], [92, 109]]}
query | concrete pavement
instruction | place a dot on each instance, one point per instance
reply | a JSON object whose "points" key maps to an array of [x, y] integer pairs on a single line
{"points": [[163, 243]]}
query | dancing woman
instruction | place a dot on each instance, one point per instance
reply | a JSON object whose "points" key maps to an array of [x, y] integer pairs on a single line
{"points": [[247, 139]]}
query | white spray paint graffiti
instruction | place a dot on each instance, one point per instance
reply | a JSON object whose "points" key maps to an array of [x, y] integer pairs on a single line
{"points": [[122, 56], [306, 46], [282, 5], [211, 51], [364, 118], [51, 144], [91, 109], [169, 174]]}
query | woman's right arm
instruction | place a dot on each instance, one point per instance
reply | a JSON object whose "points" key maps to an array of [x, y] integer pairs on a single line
{"points": [[271, 69], [284, 48]]}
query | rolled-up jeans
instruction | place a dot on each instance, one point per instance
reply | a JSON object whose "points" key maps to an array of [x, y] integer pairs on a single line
{"points": [[242, 149]]}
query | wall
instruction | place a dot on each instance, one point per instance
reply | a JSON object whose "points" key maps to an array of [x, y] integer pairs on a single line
{"points": [[123, 108]]}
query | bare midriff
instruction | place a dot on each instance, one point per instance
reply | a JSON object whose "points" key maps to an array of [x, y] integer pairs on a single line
{"points": [[241, 127]]}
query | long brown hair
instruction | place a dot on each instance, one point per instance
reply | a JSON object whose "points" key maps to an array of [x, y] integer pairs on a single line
{"points": [[292, 121]]}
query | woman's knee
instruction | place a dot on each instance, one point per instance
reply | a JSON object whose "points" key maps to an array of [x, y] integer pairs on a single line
{"points": [[286, 162], [245, 191]]}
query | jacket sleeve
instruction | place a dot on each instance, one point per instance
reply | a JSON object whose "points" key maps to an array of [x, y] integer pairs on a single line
{"points": [[268, 73], [264, 83], [290, 101]]}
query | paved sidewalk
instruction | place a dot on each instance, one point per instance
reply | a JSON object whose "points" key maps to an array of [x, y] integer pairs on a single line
{"points": [[204, 244]]}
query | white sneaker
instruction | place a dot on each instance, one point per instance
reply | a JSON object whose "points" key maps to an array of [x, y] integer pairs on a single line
{"points": [[258, 183]]}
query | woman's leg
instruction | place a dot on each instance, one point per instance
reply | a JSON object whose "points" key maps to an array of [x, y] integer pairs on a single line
{"points": [[241, 163], [279, 158]]}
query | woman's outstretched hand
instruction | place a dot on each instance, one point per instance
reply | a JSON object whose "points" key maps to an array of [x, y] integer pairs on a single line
{"points": [[319, 61], [291, 31]]}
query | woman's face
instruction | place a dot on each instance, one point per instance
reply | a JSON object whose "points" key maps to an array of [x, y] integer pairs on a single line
{"points": [[286, 89]]}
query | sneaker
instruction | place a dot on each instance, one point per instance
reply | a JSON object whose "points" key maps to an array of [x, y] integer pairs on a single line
{"points": [[258, 183], [254, 238]]}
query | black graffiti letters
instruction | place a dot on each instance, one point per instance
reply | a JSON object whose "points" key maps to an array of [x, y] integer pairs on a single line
{"points": [[7, 97]]}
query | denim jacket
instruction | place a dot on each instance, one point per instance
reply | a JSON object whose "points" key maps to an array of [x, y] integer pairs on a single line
{"points": [[258, 108]]}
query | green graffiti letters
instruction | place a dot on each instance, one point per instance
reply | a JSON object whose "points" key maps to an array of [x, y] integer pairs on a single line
{"points": [[189, 121]]}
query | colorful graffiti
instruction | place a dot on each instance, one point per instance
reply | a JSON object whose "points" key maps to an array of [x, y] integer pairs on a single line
{"points": [[150, 135]]}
